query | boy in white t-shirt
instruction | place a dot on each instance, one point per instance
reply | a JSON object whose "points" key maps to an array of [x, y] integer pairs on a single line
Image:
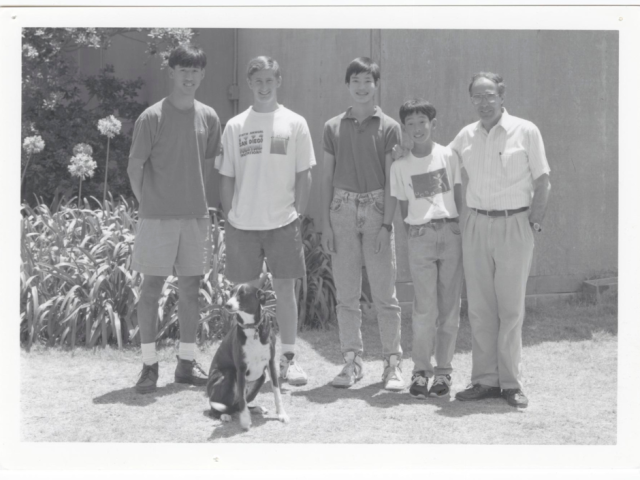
{"points": [[265, 170], [427, 183]]}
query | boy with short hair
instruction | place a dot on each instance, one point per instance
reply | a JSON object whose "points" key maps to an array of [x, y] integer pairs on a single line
{"points": [[427, 183], [357, 215], [172, 155], [264, 187]]}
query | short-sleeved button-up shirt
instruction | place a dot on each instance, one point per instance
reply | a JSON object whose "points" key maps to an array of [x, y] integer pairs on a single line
{"points": [[502, 163], [359, 149]]}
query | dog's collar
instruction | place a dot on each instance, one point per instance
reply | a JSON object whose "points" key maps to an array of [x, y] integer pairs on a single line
{"points": [[253, 325]]}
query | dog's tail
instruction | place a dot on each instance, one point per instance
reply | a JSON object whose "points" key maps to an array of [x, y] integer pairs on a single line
{"points": [[218, 407]]}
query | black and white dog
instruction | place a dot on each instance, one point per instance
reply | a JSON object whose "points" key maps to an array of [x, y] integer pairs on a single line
{"points": [[238, 369]]}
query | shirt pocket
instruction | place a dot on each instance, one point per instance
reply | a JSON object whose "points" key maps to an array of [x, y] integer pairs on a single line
{"points": [[516, 157]]}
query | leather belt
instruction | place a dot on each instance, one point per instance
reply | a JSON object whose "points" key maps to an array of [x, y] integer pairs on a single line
{"points": [[442, 220], [501, 213]]}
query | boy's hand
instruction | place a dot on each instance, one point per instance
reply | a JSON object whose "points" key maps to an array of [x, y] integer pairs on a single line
{"points": [[404, 148], [327, 240], [383, 240]]}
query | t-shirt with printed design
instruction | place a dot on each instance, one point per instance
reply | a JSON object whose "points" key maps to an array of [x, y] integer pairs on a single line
{"points": [[359, 149], [427, 184], [264, 152], [174, 145]]}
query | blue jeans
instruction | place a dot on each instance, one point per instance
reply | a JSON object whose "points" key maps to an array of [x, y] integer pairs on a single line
{"points": [[435, 261], [356, 219]]}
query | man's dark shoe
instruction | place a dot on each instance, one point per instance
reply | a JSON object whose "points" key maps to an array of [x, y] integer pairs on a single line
{"points": [[190, 371], [148, 378], [515, 397], [478, 392]]}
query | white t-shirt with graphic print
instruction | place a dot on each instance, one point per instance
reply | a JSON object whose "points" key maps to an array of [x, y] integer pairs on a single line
{"points": [[263, 152], [427, 184]]}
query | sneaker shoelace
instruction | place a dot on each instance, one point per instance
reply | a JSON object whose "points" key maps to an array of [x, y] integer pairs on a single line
{"points": [[196, 366], [293, 367], [440, 380], [419, 380]]}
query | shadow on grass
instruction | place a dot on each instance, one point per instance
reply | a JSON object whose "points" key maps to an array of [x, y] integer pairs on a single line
{"points": [[375, 395], [129, 396], [233, 428], [456, 409]]}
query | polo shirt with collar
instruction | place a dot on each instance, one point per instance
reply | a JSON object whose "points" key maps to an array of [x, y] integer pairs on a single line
{"points": [[359, 149], [502, 163]]}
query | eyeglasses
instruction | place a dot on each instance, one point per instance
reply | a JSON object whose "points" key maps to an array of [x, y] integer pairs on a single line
{"points": [[489, 97]]}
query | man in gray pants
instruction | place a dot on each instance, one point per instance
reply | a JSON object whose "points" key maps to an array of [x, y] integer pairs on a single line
{"points": [[507, 197]]}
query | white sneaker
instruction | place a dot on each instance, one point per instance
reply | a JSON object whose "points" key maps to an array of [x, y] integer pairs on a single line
{"points": [[351, 372], [291, 371], [392, 376]]}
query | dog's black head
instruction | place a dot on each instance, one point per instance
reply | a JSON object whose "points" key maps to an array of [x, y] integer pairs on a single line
{"points": [[247, 301]]}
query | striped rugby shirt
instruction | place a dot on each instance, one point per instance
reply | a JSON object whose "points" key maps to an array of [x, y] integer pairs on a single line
{"points": [[501, 164]]}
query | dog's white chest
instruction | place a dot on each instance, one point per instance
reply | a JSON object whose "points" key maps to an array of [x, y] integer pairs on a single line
{"points": [[256, 356]]}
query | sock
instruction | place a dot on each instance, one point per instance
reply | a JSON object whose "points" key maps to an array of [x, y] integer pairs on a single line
{"points": [[149, 356], [187, 351], [288, 348]]}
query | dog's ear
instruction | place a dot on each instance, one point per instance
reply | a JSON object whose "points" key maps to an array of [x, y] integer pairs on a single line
{"points": [[262, 296]]}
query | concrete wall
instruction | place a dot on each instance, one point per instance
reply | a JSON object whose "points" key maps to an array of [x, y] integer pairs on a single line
{"points": [[566, 82]]}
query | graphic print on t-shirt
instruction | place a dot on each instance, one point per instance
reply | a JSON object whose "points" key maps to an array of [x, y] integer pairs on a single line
{"points": [[250, 143], [429, 184], [279, 145]]}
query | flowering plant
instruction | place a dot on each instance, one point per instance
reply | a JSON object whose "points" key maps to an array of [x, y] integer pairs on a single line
{"points": [[31, 146], [109, 126], [82, 165]]}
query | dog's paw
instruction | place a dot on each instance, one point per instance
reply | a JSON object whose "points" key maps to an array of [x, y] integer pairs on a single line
{"points": [[245, 419], [283, 417], [225, 418]]}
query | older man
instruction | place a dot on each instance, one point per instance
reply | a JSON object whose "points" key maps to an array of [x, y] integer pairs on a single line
{"points": [[507, 197]]}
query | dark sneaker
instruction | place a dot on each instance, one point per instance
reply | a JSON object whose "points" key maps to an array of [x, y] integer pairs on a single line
{"points": [[441, 386], [478, 392], [190, 371], [148, 378], [515, 397], [419, 385]]}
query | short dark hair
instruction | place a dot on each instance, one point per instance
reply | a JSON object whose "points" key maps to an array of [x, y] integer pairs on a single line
{"points": [[263, 63], [494, 77], [418, 106], [187, 55], [362, 65]]}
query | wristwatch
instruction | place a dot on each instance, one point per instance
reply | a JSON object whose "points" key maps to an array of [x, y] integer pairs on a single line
{"points": [[388, 226], [536, 226]]}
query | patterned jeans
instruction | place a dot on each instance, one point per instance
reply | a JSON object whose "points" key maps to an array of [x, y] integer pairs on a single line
{"points": [[356, 220]]}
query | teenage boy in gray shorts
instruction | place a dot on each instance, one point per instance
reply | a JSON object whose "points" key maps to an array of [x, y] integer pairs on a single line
{"points": [[174, 146], [265, 181], [357, 215]]}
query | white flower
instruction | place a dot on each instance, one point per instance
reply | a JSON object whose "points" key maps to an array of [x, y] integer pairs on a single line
{"points": [[82, 166], [83, 148], [109, 126], [33, 144]]}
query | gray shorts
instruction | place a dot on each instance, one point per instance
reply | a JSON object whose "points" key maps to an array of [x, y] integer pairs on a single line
{"points": [[179, 247], [247, 249]]}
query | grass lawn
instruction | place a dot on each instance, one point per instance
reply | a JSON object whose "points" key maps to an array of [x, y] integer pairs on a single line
{"points": [[88, 395]]}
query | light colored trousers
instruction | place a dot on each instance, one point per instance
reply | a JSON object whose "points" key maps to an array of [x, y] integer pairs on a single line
{"points": [[497, 253], [356, 220], [435, 261]]}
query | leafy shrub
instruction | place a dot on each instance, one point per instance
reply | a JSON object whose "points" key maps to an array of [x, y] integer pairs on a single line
{"points": [[316, 292], [77, 287]]}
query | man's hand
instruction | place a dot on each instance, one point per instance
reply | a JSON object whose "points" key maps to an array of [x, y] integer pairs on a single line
{"points": [[383, 240], [327, 240]]}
